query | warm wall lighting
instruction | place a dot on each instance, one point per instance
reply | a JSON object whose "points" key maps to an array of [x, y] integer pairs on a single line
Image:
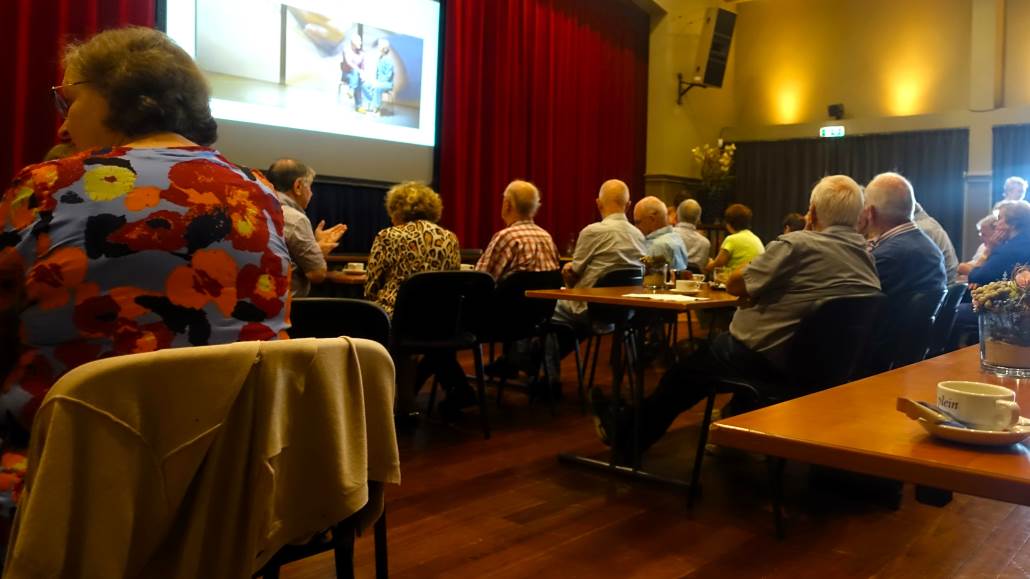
{"points": [[906, 94], [787, 103]]}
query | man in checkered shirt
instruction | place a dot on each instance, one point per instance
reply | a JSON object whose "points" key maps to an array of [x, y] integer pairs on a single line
{"points": [[522, 245]]}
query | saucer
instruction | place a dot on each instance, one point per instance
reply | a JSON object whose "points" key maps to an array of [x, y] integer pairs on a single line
{"points": [[978, 437], [353, 271]]}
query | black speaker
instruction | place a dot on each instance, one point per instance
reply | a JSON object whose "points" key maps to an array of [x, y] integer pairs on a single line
{"points": [[713, 50]]}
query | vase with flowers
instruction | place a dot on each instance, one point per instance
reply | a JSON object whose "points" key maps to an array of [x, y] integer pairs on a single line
{"points": [[1003, 309], [716, 179]]}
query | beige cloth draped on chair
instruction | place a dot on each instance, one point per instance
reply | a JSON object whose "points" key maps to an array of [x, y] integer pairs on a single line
{"points": [[202, 462]]}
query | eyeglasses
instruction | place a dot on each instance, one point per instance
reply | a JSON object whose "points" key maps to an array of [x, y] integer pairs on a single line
{"points": [[60, 102]]}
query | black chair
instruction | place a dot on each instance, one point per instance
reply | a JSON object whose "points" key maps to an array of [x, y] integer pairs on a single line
{"points": [[940, 339], [613, 320], [511, 316], [330, 318], [903, 334], [827, 350], [441, 312]]}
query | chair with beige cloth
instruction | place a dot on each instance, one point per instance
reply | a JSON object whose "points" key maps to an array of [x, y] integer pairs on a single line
{"points": [[202, 462]]}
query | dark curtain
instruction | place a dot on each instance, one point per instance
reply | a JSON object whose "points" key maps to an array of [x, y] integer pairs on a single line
{"points": [[35, 32], [1011, 156], [776, 177], [361, 207], [553, 91]]}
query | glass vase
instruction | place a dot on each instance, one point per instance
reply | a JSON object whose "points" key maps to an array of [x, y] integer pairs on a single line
{"points": [[1005, 342]]}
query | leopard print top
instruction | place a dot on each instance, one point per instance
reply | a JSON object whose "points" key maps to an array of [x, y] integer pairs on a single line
{"points": [[401, 251]]}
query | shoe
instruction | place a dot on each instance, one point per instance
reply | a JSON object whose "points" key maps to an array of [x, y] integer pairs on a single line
{"points": [[604, 418]]}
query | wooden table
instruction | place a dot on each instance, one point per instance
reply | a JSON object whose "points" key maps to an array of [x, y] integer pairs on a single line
{"points": [[855, 427], [616, 296]]}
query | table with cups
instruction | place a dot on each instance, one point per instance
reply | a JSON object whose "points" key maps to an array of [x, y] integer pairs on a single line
{"points": [[856, 427]]}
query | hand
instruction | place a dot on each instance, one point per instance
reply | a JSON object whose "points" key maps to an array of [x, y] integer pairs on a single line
{"points": [[331, 235], [568, 275]]}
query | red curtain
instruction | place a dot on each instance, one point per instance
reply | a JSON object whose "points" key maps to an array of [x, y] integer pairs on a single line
{"points": [[553, 91], [35, 32]]}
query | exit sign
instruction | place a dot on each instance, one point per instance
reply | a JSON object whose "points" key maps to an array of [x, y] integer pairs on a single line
{"points": [[832, 131]]}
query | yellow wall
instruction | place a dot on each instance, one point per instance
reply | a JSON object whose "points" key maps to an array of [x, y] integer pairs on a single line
{"points": [[1017, 53], [877, 57]]}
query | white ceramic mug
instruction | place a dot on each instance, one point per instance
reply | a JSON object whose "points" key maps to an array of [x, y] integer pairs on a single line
{"points": [[687, 285], [467, 267], [698, 277], [981, 406], [355, 266]]}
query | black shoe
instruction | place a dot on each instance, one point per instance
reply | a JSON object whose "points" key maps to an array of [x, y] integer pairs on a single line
{"points": [[604, 418]]}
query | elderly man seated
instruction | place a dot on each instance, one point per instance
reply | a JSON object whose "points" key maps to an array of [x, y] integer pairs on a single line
{"points": [[650, 216], [698, 245], [609, 244], [932, 228], [780, 287], [907, 260], [522, 245]]}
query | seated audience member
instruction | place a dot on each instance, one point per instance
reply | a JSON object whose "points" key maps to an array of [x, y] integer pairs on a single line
{"points": [[378, 81], [147, 238], [414, 244], [1013, 190], [1010, 245], [651, 219], [608, 244], [698, 245], [671, 217], [793, 222], [741, 246], [782, 286], [985, 229], [936, 233], [522, 245], [907, 260], [308, 248]]}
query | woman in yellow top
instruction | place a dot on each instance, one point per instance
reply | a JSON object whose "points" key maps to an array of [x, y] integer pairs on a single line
{"points": [[741, 246]]}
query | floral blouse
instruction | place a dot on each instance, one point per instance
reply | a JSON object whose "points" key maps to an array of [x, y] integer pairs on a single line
{"points": [[401, 251], [126, 250]]}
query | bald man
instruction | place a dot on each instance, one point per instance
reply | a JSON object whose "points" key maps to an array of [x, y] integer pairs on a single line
{"points": [[698, 245], [522, 245], [608, 244], [907, 260], [651, 218]]}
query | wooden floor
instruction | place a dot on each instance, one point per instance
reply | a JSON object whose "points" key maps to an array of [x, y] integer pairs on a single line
{"points": [[505, 507]]}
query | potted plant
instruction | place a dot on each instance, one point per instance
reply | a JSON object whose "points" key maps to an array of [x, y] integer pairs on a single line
{"points": [[716, 164], [1004, 316]]}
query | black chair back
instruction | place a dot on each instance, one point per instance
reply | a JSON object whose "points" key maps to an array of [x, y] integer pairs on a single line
{"points": [[513, 316], [332, 317], [940, 336], [903, 333], [623, 276], [436, 308], [832, 341]]}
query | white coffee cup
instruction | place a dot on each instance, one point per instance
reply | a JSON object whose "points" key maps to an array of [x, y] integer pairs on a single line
{"points": [[981, 406], [355, 266], [687, 285], [467, 267], [698, 277]]}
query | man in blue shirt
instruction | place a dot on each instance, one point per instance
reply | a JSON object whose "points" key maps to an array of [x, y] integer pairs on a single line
{"points": [[373, 87], [649, 215], [907, 260], [1012, 245]]}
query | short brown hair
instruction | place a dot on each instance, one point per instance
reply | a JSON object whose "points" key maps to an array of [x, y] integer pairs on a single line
{"points": [[738, 216], [413, 200], [1016, 214], [151, 85]]}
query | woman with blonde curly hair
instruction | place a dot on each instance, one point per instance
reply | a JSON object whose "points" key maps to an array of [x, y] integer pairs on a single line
{"points": [[414, 244]]}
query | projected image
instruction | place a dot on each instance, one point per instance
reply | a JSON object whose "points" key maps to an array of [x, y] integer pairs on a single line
{"points": [[347, 67]]}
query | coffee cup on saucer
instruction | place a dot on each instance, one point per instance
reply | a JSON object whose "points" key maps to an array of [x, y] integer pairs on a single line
{"points": [[687, 285], [698, 277], [981, 406]]}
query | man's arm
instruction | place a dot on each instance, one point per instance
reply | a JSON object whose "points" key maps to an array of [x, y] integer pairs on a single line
{"points": [[766, 270], [306, 252]]}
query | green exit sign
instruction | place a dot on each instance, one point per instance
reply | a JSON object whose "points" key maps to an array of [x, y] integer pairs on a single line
{"points": [[832, 131]]}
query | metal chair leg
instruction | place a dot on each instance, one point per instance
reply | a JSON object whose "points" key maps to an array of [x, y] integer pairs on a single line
{"points": [[343, 549], [382, 560], [699, 455], [477, 351]]}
